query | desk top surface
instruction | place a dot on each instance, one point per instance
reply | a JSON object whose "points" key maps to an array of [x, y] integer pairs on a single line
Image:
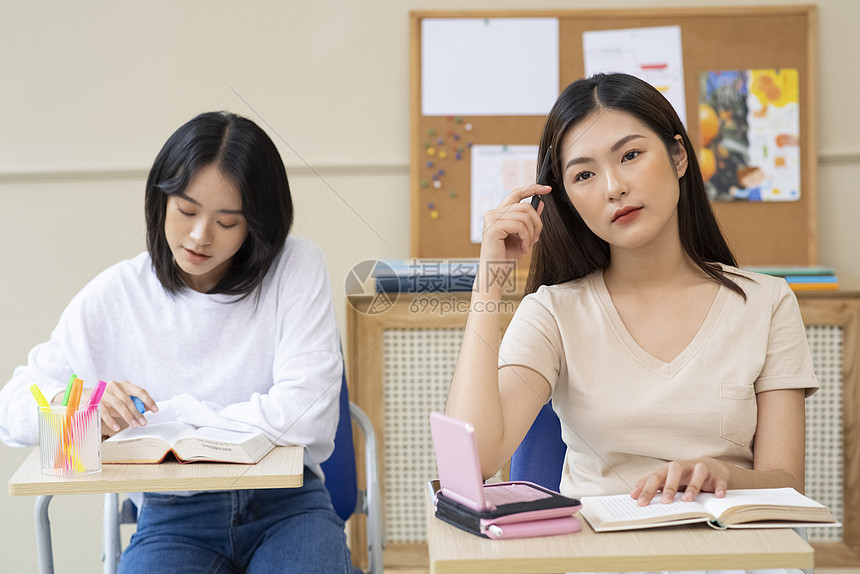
{"points": [[281, 468], [696, 547]]}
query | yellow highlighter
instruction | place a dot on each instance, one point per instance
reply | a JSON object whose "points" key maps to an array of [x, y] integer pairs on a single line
{"points": [[40, 398]]}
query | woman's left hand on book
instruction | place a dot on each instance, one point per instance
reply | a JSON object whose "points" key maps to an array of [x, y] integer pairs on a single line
{"points": [[691, 476]]}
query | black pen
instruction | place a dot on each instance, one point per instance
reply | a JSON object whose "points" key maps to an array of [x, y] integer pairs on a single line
{"points": [[543, 176]]}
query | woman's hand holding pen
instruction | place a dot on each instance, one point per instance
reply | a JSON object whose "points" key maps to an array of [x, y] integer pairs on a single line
{"points": [[512, 228], [118, 409], [691, 476]]}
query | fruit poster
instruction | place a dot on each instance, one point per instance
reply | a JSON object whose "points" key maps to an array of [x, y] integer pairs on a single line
{"points": [[749, 125]]}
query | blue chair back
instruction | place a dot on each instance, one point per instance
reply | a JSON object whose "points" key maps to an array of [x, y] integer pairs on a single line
{"points": [[339, 469], [540, 457]]}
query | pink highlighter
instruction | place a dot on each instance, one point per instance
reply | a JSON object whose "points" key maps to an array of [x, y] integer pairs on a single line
{"points": [[96, 397]]}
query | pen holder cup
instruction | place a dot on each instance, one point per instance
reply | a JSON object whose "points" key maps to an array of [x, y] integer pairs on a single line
{"points": [[70, 440]]}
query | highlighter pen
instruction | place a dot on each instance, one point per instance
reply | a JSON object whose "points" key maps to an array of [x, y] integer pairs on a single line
{"points": [[75, 396], [69, 390], [138, 404], [40, 398], [45, 405], [65, 454], [543, 176], [97, 394]]}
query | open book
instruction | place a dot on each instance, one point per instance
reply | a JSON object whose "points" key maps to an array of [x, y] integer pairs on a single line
{"points": [[752, 508], [150, 444]]}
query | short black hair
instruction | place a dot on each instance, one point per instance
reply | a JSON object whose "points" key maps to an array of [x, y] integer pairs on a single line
{"points": [[245, 154]]}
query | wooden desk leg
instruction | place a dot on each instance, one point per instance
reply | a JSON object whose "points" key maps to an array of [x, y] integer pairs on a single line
{"points": [[43, 535]]}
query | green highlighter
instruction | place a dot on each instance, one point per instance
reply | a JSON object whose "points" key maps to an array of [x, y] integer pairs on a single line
{"points": [[69, 390]]}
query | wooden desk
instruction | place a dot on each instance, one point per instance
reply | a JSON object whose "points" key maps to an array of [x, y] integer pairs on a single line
{"points": [[697, 547], [282, 468], [401, 361]]}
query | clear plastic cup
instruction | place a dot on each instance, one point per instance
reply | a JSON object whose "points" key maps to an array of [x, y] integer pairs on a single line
{"points": [[70, 441]]}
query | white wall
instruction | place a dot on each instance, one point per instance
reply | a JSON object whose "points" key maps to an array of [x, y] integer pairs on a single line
{"points": [[89, 91]]}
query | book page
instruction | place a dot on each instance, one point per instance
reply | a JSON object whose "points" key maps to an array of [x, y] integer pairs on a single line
{"points": [[622, 507], [169, 432], [212, 434], [756, 497], [209, 443]]}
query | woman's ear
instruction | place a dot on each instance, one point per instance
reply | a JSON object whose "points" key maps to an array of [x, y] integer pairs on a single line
{"points": [[679, 156]]}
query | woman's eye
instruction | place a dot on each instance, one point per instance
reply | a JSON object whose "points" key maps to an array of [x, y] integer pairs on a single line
{"points": [[583, 175], [226, 226], [631, 155], [185, 213]]}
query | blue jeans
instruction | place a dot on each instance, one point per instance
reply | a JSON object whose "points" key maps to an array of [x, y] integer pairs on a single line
{"points": [[236, 531]]}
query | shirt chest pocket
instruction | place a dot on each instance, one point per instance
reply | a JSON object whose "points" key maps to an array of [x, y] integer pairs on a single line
{"points": [[738, 413]]}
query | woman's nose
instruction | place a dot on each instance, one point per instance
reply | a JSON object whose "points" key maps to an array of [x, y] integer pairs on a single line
{"points": [[616, 186], [201, 231]]}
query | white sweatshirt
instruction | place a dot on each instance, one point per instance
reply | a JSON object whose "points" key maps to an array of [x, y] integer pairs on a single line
{"points": [[272, 364]]}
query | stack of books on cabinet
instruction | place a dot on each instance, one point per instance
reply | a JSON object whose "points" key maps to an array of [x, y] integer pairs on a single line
{"points": [[804, 278], [425, 275]]}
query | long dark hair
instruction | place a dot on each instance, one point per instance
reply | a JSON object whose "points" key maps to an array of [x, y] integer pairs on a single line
{"points": [[243, 152], [568, 249]]}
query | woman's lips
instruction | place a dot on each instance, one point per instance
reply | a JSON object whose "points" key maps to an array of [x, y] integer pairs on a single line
{"points": [[626, 215], [195, 257]]}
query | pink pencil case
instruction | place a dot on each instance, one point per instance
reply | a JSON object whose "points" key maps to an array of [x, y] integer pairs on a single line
{"points": [[549, 515]]}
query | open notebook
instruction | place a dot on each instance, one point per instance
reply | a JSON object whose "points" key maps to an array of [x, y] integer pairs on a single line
{"points": [[516, 509]]}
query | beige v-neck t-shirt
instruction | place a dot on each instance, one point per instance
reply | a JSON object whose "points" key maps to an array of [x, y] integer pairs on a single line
{"points": [[624, 412]]}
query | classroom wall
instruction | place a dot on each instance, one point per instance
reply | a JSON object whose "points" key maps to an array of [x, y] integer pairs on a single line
{"points": [[90, 90]]}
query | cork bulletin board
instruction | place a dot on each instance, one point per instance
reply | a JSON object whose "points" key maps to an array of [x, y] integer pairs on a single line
{"points": [[712, 39]]}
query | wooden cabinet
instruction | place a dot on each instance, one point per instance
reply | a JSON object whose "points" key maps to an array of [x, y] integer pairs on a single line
{"points": [[833, 421], [401, 355]]}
